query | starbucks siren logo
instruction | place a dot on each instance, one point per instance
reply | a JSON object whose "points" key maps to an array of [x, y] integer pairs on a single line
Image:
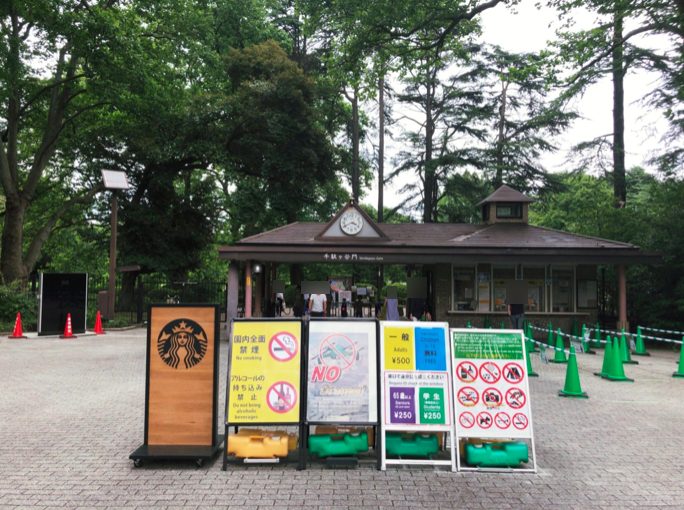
{"points": [[183, 343]]}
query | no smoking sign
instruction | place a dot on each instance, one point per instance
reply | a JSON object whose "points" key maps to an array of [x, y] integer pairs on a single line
{"points": [[283, 346]]}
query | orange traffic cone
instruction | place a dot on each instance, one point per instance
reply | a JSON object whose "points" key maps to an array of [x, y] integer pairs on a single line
{"points": [[99, 330], [68, 332], [18, 330]]}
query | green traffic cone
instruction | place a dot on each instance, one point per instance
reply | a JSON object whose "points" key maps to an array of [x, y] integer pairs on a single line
{"points": [[597, 337], [530, 370], [640, 347], [574, 330], [616, 371], [549, 339], [572, 386], [586, 344], [607, 355], [624, 351], [469, 326], [559, 356], [530, 334], [680, 368]]}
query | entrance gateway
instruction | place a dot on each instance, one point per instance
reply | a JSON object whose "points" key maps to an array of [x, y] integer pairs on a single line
{"points": [[472, 270]]}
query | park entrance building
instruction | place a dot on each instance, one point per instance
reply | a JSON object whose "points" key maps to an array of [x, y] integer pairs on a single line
{"points": [[469, 267]]}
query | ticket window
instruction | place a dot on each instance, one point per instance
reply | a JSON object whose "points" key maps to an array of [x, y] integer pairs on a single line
{"points": [[502, 275], [562, 289], [464, 288], [535, 276]]}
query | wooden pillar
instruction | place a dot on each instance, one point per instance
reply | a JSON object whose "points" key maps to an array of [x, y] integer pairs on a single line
{"points": [[258, 293], [248, 289], [233, 290], [622, 298]]}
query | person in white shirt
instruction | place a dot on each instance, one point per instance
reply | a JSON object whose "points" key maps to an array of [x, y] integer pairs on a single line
{"points": [[317, 304]]}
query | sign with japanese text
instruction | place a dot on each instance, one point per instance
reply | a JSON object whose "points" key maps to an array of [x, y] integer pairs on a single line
{"points": [[491, 384], [264, 373], [342, 372], [416, 375]]}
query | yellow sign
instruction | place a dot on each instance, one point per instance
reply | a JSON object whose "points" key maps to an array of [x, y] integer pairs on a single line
{"points": [[399, 345], [263, 384]]}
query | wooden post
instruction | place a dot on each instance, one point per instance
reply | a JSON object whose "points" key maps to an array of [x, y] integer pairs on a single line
{"points": [[248, 289], [622, 298], [233, 291]]}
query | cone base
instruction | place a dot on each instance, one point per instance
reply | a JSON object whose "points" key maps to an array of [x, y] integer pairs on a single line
{"points": [[630, 362], [641, 354], [557, 361], [68, 337], [563, 393], [589, 351], [533, 374], [17, 337], [677, 374], [614, 378], [100, 333]]}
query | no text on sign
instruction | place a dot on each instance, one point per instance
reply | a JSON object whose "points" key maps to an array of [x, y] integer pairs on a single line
{"points": [[466, 419], [282, 397], [516, 398], [490, 372], [468, 396], [513, 373], [466, 371]]}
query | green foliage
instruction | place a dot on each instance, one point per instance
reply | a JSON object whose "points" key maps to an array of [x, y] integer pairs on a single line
{"points": [[649, 220], [13, 299]]}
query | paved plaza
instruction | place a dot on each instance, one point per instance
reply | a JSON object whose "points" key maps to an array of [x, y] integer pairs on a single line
{"points": [[71, 411]]}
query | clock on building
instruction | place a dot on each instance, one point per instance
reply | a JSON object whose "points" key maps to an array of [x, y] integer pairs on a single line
{"points": [[351, 222]]}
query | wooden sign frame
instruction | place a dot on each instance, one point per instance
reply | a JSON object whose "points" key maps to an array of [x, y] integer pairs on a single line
{"points": [[173, 430]]}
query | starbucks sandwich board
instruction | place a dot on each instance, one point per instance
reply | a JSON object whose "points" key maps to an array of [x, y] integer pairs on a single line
{"points": [[491, 388], [416, 392], [181, 384]]}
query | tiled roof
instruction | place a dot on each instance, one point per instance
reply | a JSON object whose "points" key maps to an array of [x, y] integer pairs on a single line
{"points": [[506, 194]]}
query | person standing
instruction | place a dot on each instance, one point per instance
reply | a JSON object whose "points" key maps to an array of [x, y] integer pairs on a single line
{"points": [[317, 305], [516, 311]]}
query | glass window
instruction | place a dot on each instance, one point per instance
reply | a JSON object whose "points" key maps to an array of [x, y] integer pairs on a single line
{"points": [[509, 210], [562, 289], [502, 275], [535, 276], [464, 288]]}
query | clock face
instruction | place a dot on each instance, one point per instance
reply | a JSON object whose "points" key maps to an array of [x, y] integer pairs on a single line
{"points": [[351, 223]]}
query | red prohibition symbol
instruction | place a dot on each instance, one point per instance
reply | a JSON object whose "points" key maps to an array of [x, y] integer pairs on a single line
{"points": [[466, 419], [513, 373], [491, 397], [283, 346], [502, 420], [281, 397], [520, 421], [468, 396], [515, 398], [484, 420], [490, 372], [466, 371]]}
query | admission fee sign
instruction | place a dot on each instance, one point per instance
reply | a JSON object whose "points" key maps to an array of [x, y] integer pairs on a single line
{"points": [[416, 379], [264, 373], [491, 386], [342, 372]]}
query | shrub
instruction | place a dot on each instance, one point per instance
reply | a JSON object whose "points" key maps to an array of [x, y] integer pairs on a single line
{"points": [[14, 299]]}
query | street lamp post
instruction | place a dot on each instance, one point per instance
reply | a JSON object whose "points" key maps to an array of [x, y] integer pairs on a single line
{"points": [[113, 180]]}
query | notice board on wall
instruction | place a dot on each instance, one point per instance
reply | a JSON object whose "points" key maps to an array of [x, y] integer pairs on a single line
{"points": [[264, 372]]}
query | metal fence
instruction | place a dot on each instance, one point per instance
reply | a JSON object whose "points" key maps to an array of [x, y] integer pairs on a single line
{"points": [[133, 297]]}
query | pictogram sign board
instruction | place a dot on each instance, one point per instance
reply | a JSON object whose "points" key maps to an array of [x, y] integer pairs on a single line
{"points": [[264, 372], [342, 372], [491, 385]]}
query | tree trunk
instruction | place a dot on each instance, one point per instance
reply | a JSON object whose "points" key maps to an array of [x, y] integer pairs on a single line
{"points": [[381, 146], [501, 138], [429, 185], [356, 185], [12, 264], [619, 182]]}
